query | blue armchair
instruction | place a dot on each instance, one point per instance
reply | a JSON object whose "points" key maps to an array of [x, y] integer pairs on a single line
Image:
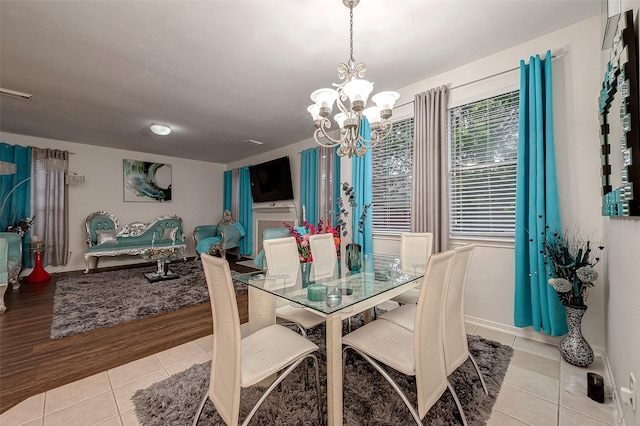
{"points": [[217, 239], [271, 233]]}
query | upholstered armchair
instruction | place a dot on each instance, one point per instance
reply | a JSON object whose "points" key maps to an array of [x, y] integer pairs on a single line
{"points": [[271, 233], [14, 256], [217, 239]]}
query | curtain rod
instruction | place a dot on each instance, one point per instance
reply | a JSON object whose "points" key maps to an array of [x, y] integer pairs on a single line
{"points": [[553, 56]]}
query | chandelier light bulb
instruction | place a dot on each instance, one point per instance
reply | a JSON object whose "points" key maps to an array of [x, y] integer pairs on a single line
{"points": [[324, 99], [358, 92], [385, 102], [340, 119], [314, 110], [373, 116]]}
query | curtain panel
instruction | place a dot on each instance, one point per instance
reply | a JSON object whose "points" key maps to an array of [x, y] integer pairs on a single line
{"points": [[50, 203], [430, 191], [245, 210], [309, 184], [537, 204], [362, 176], [15, 191], [227, 191]]}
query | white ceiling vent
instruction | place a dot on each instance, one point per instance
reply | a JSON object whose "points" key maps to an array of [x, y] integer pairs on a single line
{"points": [[252, 142], [14, 94]]}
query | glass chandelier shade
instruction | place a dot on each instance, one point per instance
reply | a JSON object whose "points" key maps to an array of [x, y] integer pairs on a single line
{"points": [[356, 90]]}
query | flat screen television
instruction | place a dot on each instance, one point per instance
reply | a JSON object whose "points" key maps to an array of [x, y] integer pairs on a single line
{"points": [[271, 181]]}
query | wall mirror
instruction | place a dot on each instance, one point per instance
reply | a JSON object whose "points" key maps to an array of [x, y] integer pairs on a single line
{"points": [[619, 125]]}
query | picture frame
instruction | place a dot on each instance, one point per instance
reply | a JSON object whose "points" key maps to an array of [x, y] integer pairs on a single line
{"points": [[147, 182]]}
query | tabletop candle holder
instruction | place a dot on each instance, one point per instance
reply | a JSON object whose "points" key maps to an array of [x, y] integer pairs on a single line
{"points": [[316, 292]]}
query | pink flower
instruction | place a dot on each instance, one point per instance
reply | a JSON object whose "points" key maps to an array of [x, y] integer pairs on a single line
{"points": [[304, 243]]}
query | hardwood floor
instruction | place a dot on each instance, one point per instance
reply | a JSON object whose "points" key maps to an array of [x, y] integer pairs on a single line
{"points": [[31, 362]]}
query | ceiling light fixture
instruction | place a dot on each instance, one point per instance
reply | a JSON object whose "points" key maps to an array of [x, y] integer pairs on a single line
{"points": [[253, 142], [356, 90], [160, 129]]}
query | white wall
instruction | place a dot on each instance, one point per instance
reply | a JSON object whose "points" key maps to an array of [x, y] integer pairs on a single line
{"points": [[197, 193], [622, 286]]}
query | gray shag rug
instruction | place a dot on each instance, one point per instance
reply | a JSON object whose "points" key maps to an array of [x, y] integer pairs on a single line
{"points": [[369, 399], [103, 299]]}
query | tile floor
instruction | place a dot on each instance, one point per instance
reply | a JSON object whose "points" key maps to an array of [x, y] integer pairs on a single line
{"points": [[533, 393]]}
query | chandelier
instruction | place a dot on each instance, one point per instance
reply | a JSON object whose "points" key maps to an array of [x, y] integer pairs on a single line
{"points": [[356, 90]]}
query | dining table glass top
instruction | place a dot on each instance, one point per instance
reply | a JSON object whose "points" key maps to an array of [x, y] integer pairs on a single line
{"points": [[327, 288]]}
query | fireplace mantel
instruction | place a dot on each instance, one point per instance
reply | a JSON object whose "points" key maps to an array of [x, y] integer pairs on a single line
{"points": [[279, 207]]}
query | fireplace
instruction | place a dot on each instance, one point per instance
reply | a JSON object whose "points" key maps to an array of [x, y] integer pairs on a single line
{"points": [[264, 224]]}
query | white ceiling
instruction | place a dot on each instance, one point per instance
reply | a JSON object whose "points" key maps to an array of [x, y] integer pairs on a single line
{"points": [[221, 72]]}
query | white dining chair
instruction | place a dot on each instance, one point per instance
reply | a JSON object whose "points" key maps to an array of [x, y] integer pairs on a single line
{"points": [[415, 250], [325, 257], [456, 347], [243, 362], [282, 253], [416, 353]]}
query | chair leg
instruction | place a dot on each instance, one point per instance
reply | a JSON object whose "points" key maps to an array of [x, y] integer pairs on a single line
{"points": [[279, 379], [455, 398], [200, 407], [317, 368], [475, 365], [393, 384]]}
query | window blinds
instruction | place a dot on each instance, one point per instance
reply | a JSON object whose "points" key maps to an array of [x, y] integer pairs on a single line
{"points": [[483, 146], [392, 176]]}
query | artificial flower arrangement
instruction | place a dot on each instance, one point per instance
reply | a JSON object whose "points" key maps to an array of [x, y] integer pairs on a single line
{"points": [[304, 250], [570, 264]]}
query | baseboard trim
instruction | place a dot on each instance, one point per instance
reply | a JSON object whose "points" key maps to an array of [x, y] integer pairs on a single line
{"points": [[528, 333]]}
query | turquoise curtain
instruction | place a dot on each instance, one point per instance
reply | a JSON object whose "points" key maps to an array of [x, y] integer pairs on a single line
{"points": [[227, 190], [309, 184], [337, 160], [361, 177], [537, 204], [246, 212], [16, 205]]}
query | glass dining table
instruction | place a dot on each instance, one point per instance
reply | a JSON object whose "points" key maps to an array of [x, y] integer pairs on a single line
{"points": [[336, 294]]}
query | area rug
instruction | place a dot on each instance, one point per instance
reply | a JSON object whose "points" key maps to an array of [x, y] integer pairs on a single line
{"points": [[369, 399], [94, 301]]}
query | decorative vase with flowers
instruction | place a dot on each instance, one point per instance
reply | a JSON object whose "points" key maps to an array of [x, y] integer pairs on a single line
{"points": [[304, 251], [353, 251], [570, 263]]}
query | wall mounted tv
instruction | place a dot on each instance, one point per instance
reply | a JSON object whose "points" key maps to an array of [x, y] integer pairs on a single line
{"points": [[271, 181]]}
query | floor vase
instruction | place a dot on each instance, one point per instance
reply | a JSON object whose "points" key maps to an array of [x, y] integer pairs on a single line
{"points": [[573, 347]]}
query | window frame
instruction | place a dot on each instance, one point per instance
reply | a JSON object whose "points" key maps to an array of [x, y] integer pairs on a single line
{"points": [[487, 235], [379, 178]]}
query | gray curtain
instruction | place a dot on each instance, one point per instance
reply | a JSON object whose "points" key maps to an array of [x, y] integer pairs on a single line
{"points": [[235, 198], [429, 194], [50, 203], [326, 185]]}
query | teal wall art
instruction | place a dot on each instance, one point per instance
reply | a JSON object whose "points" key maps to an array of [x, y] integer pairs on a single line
{"points": [[147, 182]]}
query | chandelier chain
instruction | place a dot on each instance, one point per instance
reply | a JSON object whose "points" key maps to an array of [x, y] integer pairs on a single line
{"points": [[351, 33]]}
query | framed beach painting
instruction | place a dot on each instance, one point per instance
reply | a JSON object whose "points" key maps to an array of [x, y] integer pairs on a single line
{"points": [[147, 182]]}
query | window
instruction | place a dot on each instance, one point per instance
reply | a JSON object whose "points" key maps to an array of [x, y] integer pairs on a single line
{"points": [[392, 177], [483, 146], [326, 173]]}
